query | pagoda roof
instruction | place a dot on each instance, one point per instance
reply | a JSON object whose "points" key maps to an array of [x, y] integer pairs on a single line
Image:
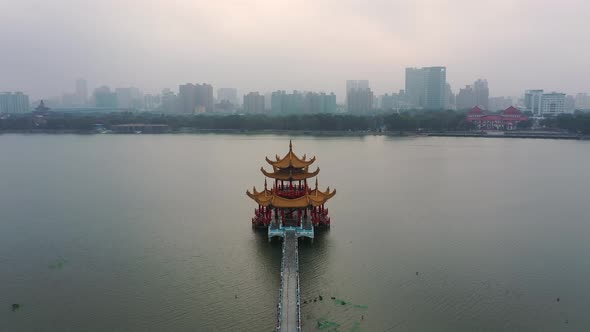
{"points": [[290, 174], [41, 107], [290, 160], [269, 198]]}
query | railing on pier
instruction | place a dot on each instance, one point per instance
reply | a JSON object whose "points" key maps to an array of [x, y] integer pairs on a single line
{"points": [[277, 229]]}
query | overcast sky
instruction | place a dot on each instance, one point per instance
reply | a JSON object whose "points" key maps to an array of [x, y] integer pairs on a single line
{"points": [[264, 45]]}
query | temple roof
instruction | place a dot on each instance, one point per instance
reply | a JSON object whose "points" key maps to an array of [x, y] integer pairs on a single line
{"points": [[290, 174], [269, 198], [511, 111], [290, 160], [476, 110]]}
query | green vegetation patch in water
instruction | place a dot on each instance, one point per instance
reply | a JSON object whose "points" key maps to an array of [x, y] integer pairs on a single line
{"points": [[324, 324], [343, 302], [356, 327], [58, 264]]}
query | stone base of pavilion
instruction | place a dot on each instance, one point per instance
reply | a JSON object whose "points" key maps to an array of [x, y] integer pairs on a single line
{"points": [[278, 229]]}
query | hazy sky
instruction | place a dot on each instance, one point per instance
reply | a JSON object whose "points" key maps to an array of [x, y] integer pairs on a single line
{"points": [[301, 44]]}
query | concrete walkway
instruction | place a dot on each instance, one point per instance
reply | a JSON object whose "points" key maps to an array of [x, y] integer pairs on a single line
{"points": [[290, 307]]}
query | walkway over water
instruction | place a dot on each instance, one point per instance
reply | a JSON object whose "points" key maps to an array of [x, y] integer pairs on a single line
{"points": [[289, 308], [277, 229]]}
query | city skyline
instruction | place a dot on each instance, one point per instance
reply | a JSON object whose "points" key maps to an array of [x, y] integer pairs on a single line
{"points": [[154, 45], [339, 89], [80, 94], [198, 98]]}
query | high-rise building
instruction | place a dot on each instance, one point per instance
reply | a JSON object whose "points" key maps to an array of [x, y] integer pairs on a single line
{"points": [[582, 101], [228, 94], [195, 98], [319, 103], [129, 98], [285, 103], [415, 86], [187, 98], [395, 101], [267, 101], [152, 102], [357, 84], [386, 102], [570, 104], [81, 92], [474, 95], [553, 103], [435, 83], [481, 93], [205, 97], [16, 102], [465, 99], [359, 101], [170, 102], [79, 98], [426, 87], [499, 103], [359, 97], [277, 101], [450, 102], [532, 101], [254, 103], [105, 98]]}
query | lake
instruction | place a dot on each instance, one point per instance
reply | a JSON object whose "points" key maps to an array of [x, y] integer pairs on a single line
{"points": [[152, 233]]}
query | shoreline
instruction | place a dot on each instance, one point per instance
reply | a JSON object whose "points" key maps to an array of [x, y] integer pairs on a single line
{"points": [[322, 133], [222, 131], [516, 134]]}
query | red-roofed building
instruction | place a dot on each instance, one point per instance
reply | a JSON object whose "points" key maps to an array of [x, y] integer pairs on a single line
{"points": [[506, 120]]}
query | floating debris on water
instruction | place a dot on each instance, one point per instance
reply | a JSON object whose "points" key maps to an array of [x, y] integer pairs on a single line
{"points": [[333, 298], [58, 264], [15, 307], [321, 298]]}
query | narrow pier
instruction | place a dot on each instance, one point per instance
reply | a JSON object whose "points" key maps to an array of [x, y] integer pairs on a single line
{"points": [[289, 308]]}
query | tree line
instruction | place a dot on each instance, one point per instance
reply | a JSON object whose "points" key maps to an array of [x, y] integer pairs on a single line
{"points": [[402, 122], [578, 122]]}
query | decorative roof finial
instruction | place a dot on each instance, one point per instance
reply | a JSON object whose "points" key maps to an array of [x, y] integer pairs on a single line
{"points": [[290, 146], [265, 184], [316, 187]]}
